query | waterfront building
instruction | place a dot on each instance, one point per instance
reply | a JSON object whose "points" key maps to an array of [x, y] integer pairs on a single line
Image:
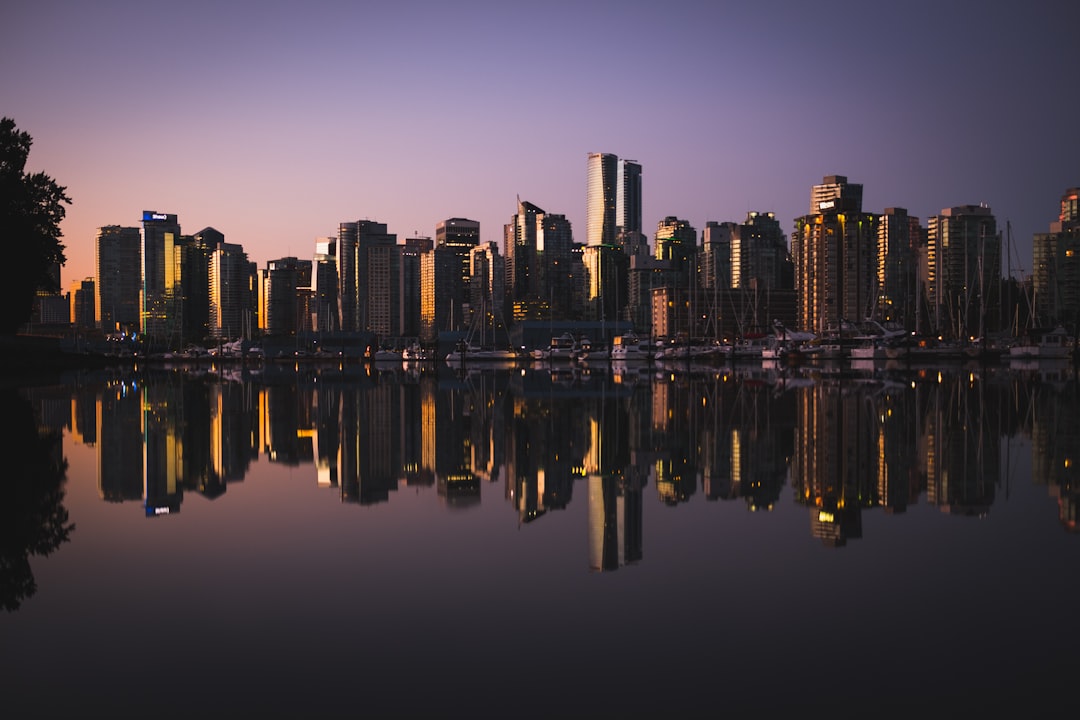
{"points": [[118, 255], [834, 250], [676, 241], [284, 296], [716, 239], [194, 280], [759, 254], [411, 252], [158, 293], [324, 286], [460, 236], [600, 198], [538, 249], [1056, 267], [963, 270], [232, 280], [81, 297], [899, 239], [362, 245], [606, 269], [628, 198]]}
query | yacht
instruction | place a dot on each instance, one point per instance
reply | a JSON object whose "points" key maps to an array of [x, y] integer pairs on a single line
{"points": [[630, 348], [1056, 344]]}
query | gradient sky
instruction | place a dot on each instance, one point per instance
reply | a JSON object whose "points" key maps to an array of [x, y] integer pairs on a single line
{"points": [[275, 121]]}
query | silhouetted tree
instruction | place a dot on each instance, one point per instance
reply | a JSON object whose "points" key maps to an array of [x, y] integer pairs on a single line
{"points": [[33, 520], [31, 208]]}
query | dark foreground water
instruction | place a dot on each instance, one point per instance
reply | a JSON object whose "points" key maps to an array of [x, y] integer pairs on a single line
{"points": [[517, 543]]}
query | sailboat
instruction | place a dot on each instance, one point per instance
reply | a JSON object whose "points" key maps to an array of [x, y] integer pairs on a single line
{"points": [[476, 349]]}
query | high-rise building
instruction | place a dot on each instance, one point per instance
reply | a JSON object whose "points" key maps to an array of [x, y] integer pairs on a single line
{"points": [[963, 266], [159, 305], [1056, 266], [358, 245], [716, 241], [523, 290], [628, 198], [231, 315], [324, 286], [899, 240], [117, 292], [284, 286], [195, 251], [759, 254], [834, 250], [81, 296], [457, 237], [487, 273], [600, 199], [676, 241], [411, 275]]}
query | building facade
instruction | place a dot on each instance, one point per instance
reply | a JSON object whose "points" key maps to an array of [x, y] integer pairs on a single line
{"points": [[1056, 267], [118, 262], [963, 265], [834, 251]]}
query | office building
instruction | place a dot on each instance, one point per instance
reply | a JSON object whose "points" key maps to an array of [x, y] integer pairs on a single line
{"points": [[231, 289], [158, 294], [118, 253], [324, 286], [363, 300]]}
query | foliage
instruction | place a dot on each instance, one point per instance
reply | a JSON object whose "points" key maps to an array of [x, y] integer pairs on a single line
{"points": [[31, 209]]}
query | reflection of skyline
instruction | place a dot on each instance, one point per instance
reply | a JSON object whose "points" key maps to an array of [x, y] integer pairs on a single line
{"points": [[846, 445]]}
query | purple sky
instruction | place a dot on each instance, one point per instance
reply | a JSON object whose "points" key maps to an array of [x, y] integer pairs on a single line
{"points": [[273, 122]]}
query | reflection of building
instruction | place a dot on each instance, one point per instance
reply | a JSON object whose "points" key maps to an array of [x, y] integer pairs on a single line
{"points": [[961, 449], [834, 464], [120, 442], [1055, 437], [163, 449]]}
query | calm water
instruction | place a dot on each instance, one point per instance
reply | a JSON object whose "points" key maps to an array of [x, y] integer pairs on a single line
{"points": [[528, 543]]}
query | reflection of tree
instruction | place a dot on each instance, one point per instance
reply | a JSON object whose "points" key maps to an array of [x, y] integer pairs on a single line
{"points": [[33, 520]]}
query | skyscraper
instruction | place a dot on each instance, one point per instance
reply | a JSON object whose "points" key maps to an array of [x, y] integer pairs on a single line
{"points": [[456, 237], [628, 198], [600, 199], [357, 245], [117, 292], [161, 231], [230, 293]]}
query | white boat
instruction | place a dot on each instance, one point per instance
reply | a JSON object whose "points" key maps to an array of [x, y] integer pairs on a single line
{"points": [[752, 346], [1056, 344], [630, 348], [467, 352], [562, 348]]}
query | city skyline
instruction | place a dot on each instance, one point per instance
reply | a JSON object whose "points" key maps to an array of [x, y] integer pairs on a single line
{"points": [[276, 129]]}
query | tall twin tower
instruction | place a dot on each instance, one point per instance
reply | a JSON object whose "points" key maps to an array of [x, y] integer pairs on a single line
{"points": [[613, 200]]}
